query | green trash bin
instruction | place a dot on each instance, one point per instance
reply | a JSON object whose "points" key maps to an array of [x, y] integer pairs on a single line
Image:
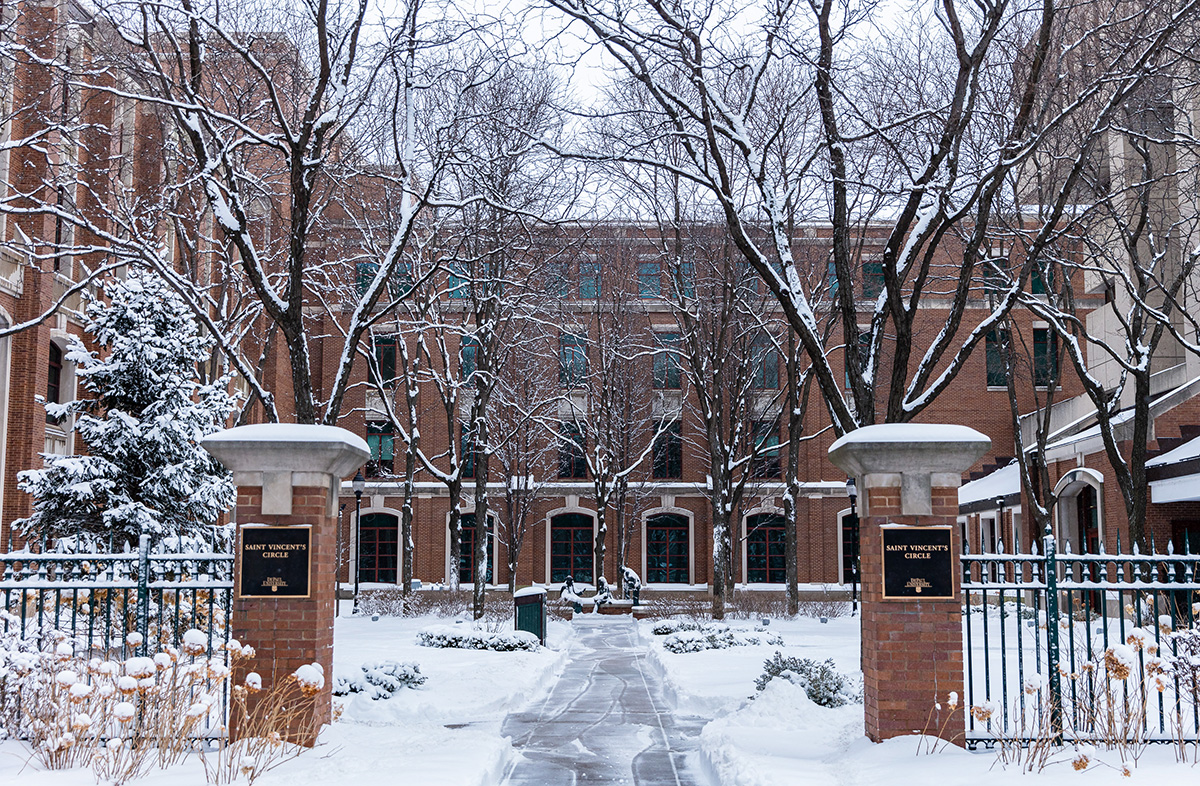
{"points": [[530, 608]]}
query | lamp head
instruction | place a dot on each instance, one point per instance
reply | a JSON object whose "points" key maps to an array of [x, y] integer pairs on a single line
{"points": [[359, 484], [851, 490]]}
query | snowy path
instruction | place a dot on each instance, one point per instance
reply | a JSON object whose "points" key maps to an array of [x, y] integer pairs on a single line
{"points": [[605, 720]]}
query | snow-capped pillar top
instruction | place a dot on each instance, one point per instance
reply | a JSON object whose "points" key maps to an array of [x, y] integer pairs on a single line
{"points": [[914, 456], [280, 456]]}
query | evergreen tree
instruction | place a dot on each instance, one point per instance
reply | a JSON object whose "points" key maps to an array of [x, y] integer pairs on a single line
{"points": [[145, 471]]}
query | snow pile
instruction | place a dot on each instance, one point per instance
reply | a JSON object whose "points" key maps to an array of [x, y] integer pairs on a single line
{"points": [[759, 744], [380, 679], [461, 637], [718, 636]]}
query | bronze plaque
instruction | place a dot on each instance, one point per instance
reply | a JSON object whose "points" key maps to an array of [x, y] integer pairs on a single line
{"points": [[917, 562], [276, 561]]}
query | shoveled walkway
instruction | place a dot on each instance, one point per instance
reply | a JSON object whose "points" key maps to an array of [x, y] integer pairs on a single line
{"points": [[604, 721]]}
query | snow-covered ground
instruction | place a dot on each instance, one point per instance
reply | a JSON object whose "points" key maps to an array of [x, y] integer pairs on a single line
{"points": [[782, 739], [448, 732]]}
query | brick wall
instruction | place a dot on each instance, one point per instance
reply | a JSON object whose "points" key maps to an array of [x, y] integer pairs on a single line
{"points": [[287, 633], [912, 655]]}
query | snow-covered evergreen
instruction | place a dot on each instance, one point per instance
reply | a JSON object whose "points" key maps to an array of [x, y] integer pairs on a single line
{"points": [[145, 471]]}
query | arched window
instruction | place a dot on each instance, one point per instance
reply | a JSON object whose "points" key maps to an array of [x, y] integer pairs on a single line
{"points": [[766, 555], [571, 548], [378, 537], [466, 553], [667, 549]]}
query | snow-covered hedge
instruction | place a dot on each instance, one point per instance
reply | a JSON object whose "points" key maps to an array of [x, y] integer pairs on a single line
{"points": [[669, 626], [461, 637], [823, 683], [380, 680], [717, 636]]}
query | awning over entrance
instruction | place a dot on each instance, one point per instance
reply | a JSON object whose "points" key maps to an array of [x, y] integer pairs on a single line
{"points": [[983, 493], [1175, 475]]}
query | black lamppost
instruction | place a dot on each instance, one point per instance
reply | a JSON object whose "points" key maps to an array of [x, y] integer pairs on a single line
{"points": [[852, 493], [1000, 519], [359, 485]]}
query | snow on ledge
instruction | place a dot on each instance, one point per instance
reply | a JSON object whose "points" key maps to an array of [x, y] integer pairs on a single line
{"points": [[909, 432], [289, 432]]}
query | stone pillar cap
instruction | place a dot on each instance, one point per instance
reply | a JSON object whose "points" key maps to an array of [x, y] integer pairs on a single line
{"points": [[913, 451], [288, 447]]}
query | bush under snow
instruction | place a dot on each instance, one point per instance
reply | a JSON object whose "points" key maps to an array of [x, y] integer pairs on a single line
{"points": [[460, 637], [717, 636], [380, 680], [823, 683]]}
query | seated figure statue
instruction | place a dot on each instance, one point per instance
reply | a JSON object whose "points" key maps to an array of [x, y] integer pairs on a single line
{"points": [[633, 584]]}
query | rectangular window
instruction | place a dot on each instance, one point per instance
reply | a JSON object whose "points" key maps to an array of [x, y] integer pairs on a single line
{"points": [[459, 283], [667, 550], [766, 443], [401, 282], [572, 360], [571, 461], [1040, 279], [996, 349], [1045, 357], [831, 279], [589, 280], [864, 348], [384, 371], [468, 450], [668, 453], [381, 441], [558, 280], [685, 280], [872, 278], [364, 274], [649, 279], [667, 374], [468, 361], [766, 364]]}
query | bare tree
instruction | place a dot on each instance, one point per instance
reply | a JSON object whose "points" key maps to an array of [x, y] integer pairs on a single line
{"points": [[919, 133], [733, 364]]}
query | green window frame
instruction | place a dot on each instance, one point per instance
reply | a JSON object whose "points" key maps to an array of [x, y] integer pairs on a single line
{"points": [[649, 280], [589, 281]]}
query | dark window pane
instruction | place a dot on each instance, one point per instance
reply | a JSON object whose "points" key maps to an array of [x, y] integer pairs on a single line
{"points": [[667, 373], [872, 278], [996, 349], [571, 552], [572, 360], [1045, 357], [765, 550], [766, 364], [571, 460], [668, 453]]}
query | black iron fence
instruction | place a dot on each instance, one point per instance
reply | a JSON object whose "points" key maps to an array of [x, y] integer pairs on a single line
{"points": [[100, 599], [1081, 646]]}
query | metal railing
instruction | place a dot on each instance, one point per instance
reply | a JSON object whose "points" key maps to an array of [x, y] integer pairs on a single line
{"points": [[98, 599], [1048, 635]]}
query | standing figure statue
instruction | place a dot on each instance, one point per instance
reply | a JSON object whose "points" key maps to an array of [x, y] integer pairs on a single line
{"points": [[633, 584]]}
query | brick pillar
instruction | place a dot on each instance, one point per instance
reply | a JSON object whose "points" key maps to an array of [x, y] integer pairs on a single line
{"points": [[912, 656], [287, 476]]}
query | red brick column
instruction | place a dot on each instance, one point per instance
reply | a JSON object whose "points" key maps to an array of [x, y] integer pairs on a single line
{"points": [[288, 633], [912, 650], [287, 476]]}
